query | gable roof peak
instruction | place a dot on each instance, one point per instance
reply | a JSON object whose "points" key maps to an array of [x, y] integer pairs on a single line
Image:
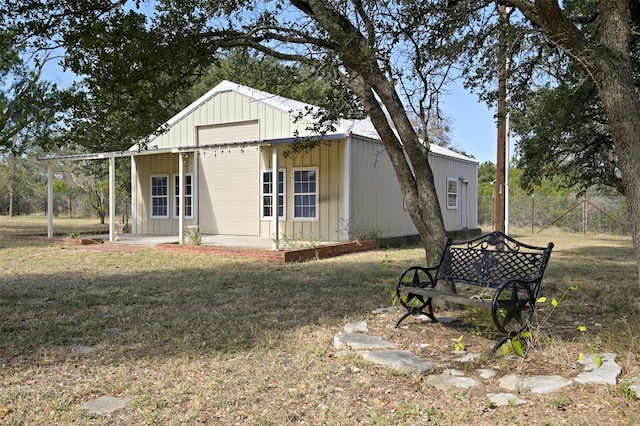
{"points": [[289, 106]]}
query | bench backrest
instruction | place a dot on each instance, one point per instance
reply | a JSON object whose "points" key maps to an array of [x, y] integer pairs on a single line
{"points": [[491, 259]]}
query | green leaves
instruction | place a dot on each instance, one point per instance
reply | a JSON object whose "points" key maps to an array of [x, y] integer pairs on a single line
{"points": [[459, 344], [554, 302]]}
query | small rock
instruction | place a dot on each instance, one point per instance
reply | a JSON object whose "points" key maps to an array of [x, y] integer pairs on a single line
{"points": [[356, 327], [468, 357], [385, 310], [502, 399]]}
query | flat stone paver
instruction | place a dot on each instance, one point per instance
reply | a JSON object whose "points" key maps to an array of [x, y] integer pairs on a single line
{"points": [[356, 327], [487, 373], [83, 350], [105, 405], [598, 368], [634, 385], [502, 399], [606, 374], [357, 341], [400, 360], [443, 382], [536, 384]]}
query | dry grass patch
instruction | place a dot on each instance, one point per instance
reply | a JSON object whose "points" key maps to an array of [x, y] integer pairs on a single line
{"points": [[191, 338]]}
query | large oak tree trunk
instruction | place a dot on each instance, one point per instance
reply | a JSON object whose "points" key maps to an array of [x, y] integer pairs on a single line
{"points": [[409, 155], [617, 91]]}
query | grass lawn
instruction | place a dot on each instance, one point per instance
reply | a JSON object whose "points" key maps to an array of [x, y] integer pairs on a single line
{"points": [[195, 338]]}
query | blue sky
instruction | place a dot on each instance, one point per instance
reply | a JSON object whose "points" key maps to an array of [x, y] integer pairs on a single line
{"points": [[473, 126]]}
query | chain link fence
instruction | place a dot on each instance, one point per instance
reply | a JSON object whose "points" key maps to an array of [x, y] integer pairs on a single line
{"points": [[72, 204], [593, 214]]}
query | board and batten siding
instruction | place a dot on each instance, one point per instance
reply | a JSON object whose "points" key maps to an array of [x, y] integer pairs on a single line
{"points": [[230, 108], [329, 159], [155, 165]]}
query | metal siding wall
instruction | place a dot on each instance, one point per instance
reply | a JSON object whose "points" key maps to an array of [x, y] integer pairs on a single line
{"points": [[445, 167], [228, 132], [376, 199], [229, 107]]}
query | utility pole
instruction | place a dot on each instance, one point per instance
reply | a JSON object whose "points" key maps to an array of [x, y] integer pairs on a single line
{"points": [[501, 166]]}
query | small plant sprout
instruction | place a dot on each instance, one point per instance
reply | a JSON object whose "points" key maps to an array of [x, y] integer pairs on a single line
{"points": [[598, 361], [515, 345], [384, 264], [194, 236], [627, 391], [459, 344]]}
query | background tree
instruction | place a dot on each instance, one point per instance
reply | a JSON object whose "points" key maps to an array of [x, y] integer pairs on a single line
{"points": [[562, 131], [28, 107]]}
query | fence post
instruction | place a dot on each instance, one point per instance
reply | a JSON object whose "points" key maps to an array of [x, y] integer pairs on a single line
{"points": [[533, 213], [584, 215]]}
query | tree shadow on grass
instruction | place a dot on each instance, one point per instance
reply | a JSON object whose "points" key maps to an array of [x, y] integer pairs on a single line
{"points": [[224, 306]]}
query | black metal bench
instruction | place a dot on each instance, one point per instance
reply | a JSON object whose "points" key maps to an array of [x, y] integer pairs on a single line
{"points": [[508, 275]]}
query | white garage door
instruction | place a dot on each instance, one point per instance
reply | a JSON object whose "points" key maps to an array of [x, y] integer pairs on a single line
{"points": [[229, 185], [229, 192]]}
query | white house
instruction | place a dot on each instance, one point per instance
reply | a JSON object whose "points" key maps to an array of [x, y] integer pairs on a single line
{"points": [[227, 144]]}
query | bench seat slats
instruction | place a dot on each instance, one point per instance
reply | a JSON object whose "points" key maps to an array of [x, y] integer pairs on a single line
{"points": [[460, 299]]}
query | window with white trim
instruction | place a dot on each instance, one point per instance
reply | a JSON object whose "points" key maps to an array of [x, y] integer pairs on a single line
{"points": [[452, 193], [305, 193], [188, 195], [160, 197], [267, 194]]}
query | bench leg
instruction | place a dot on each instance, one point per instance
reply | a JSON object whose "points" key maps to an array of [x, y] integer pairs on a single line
{"points": [[402, 318], [419, 311], [414, 277]]}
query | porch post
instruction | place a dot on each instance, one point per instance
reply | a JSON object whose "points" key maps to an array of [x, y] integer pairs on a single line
{"points": [[275, 168], [112, 198], [50, 199], [348, 148], [195, 187], [181, 197], [134, 196]]}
